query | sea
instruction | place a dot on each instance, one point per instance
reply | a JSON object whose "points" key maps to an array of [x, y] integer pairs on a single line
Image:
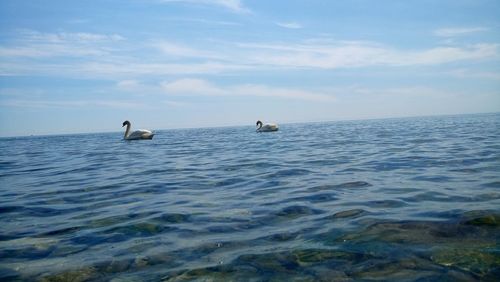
{"points": [[406, 199]]}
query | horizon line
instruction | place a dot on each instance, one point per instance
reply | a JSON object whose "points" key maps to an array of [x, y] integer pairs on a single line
{"points": [[241, 125]]}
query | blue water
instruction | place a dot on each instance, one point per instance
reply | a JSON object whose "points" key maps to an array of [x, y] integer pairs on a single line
{"points": [[392, 199]]}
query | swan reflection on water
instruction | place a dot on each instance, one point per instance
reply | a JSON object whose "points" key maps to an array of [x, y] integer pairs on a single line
{"points": [[139, 134]]}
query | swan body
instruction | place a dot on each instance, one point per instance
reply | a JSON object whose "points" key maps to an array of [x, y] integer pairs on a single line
{"points": [[268, 127], [137, 134]]}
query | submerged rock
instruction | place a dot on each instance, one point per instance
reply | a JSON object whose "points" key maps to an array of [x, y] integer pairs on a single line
{"points": [[297, 211], [139, 229], [173, 218], [404, 269], [80, 275], [312, 256], [117, 266], [491, 220], [274, 262], [282, 237], [468, 245], [480, 261], [207, 274], [345, 185], [348, 213]]}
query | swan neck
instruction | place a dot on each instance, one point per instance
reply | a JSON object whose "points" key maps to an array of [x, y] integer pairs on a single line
{"points": [[126, 131]]}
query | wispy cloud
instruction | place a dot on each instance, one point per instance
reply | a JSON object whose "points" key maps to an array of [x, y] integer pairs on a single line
{"points": [[49, 50], [108, 56], [30, 43], [63, 37], [72, 104], [205, 21], [129, 85], [291, 25], [126, 69], [118, 70], [409, 91], [232, 5], [363, 54], [441, 55], [200, 87], [465, 73], [179, 50], [78, 21], [174, 104], [192, 86], [457, 31]]}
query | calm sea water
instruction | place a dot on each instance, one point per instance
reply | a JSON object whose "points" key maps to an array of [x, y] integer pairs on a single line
{"points": [[395, 199]]}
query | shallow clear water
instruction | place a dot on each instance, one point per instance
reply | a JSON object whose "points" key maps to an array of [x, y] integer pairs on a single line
{"points": [[393, 199]]}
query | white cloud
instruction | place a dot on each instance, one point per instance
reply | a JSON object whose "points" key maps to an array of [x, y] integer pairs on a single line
{"points": [[362, 54], [174, 104], [108, 56], [291, 25], [72, 104], [204, 21], [35, 44], [232, 5], [452, 32], [117, 70], [192, 86], [129, 85], [178, 50], [50, 50], [78, 21], [406, 92], [442, 55], [467, 74], [319, 56], [124, 69], [195, 87], [63, 37]]}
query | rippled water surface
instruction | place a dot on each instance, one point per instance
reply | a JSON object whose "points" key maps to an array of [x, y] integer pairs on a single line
{"points": [[395, 199]]}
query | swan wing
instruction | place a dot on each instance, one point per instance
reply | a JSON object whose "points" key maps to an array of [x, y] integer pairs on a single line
{"points": [[270, 127], [141, 134]]}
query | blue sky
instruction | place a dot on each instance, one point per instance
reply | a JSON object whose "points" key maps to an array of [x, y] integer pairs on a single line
{"points": [[86, 66]]}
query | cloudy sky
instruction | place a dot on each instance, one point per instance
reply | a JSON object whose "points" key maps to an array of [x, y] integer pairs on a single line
{"points": [[86, 66]]}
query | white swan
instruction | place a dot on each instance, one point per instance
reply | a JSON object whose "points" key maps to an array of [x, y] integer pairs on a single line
{"points": [[268, 127], [138, 134]]}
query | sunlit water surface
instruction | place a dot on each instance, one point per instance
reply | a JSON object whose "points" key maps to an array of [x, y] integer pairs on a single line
{"points": [[395, 199]]}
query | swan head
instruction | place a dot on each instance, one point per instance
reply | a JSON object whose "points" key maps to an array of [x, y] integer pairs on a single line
{"points": [[126, 123], [258, 122]]}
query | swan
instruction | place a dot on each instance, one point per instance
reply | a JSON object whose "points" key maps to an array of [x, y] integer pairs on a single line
{"points": [[138, 134], [268, 127]]}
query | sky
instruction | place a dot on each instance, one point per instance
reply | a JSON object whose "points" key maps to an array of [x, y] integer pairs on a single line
{"points": [[70, 66]]}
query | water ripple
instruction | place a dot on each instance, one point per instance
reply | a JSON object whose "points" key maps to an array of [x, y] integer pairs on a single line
{"points": [[354, 200]]}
